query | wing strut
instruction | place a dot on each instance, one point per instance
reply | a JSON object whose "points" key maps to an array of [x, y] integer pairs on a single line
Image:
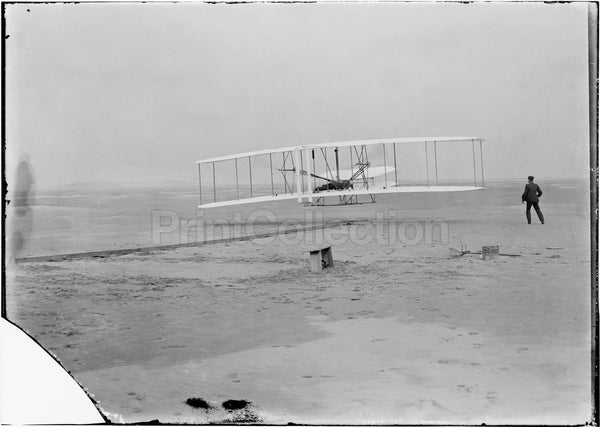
{"points": [[351, 162], [337, 164], [237, 184], [271, 168], [384, 166], [287, 186], [314, 182], [474, 172], [250, 170], [301, 169], [309, 174], [481, 155], [200, 182], [427, 163], [435, 156], [214, 183], [395, 167], [298, 176]]}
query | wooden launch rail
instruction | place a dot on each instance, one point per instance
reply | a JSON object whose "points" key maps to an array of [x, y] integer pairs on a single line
{"points": [[120, 252]]}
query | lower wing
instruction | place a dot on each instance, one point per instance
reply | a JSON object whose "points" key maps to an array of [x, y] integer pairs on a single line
{"points": [[303, 197]]}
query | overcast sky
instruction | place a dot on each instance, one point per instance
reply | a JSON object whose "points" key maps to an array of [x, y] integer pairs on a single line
{"points": [[131, 93]]}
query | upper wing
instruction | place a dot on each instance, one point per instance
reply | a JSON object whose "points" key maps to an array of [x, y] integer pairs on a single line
{"points": [[365, 142]]}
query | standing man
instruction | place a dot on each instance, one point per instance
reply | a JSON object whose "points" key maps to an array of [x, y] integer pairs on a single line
{"points": [[531, 196]]}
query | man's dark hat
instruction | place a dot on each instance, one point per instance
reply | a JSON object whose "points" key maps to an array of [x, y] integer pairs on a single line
{"points": [[530, 177]]}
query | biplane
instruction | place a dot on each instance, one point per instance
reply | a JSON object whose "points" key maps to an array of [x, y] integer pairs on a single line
{"points": [[350, 172]]}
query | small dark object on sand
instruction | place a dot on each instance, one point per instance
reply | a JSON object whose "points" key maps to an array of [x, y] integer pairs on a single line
{"points": [[198, 402], [232, 405], [242, 416]]}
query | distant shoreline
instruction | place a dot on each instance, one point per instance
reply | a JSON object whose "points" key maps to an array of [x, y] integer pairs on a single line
{"points": [[192, 185]]}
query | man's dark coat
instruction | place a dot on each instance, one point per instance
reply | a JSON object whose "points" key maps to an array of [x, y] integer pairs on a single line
{"points": [[531, 193]]}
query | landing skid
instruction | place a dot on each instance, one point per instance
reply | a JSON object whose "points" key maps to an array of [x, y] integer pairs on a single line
{"points": [[342, 201]]}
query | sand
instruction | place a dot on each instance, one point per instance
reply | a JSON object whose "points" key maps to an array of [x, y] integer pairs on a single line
{"points": [[393, 333]]}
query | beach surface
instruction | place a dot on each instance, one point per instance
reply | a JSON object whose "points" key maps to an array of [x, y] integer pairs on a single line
{"points": [[397, 331]]}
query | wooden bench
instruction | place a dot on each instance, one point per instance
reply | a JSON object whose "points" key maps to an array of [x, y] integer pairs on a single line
{"points": [[320, 258]]}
